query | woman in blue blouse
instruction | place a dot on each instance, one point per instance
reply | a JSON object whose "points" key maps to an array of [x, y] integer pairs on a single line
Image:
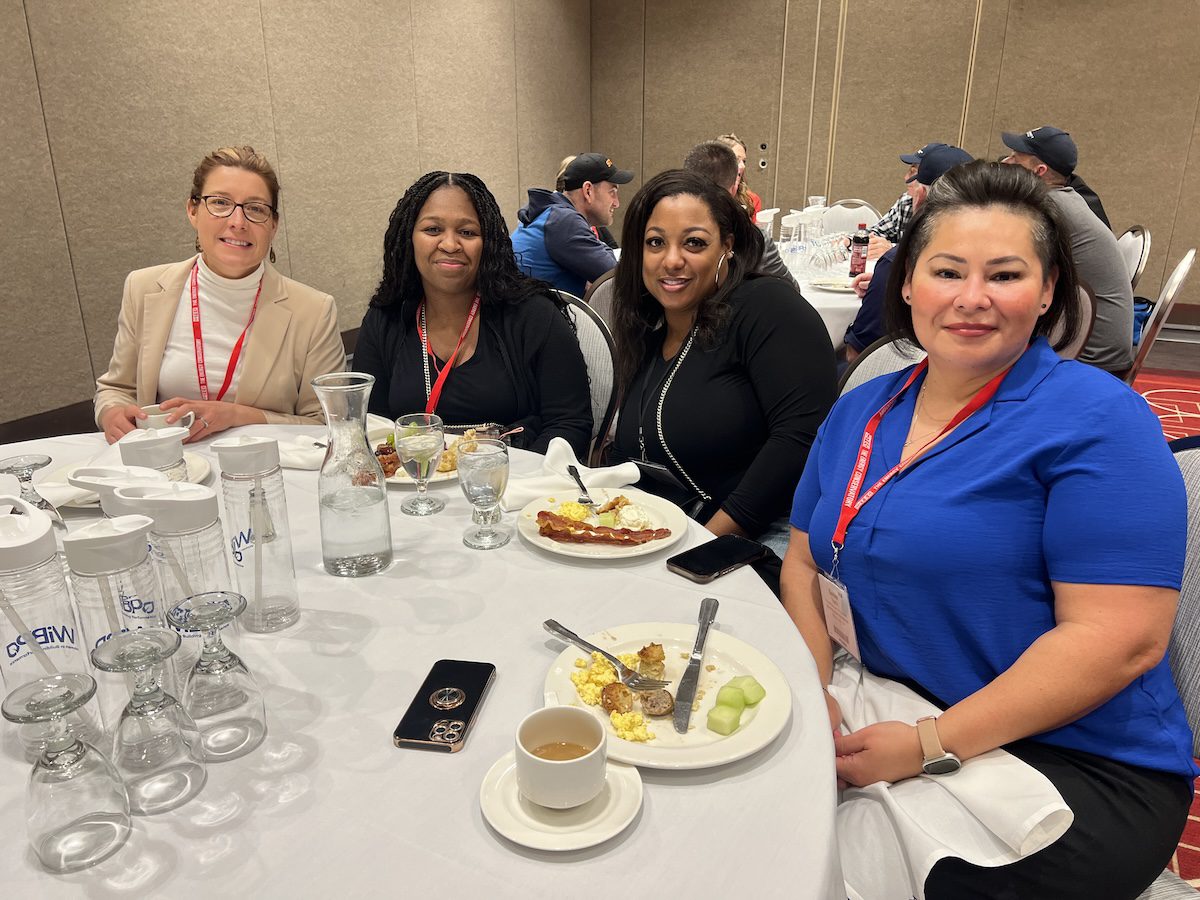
{"points": [[999, 570]]}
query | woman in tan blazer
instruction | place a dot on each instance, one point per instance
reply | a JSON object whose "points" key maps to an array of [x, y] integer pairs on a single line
{"points": [[223, 335]]}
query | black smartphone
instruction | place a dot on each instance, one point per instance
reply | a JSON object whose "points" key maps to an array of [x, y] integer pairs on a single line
{"points": [[441, 713], [718, 557]]}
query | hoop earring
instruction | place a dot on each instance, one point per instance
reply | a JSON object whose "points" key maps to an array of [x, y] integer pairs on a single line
{"points": [[717, 277]]}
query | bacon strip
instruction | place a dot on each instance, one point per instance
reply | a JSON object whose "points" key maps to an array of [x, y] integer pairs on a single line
{"points": [[569, 531]]}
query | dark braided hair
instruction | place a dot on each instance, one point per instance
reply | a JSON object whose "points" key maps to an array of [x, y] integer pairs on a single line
{"points": [[499, 280]]}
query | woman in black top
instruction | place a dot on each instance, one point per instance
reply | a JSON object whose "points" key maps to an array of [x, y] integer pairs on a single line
{"points": [[452, 296], [724, 376]]}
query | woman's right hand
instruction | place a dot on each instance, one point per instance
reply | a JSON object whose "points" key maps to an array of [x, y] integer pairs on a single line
{"points": [[120, 420]]}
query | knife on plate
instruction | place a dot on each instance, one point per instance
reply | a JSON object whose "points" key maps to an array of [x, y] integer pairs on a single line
{"points": [[691, 675]]}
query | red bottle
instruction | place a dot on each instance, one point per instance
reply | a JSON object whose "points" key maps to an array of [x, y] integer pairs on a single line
{"points": [[858, 250]]}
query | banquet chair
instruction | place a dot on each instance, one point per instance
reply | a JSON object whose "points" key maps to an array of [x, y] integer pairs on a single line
{"points": [[845, 215], [1087, 314], [1159, 313], [599, 353], [599, 296], [1135, 250], [1183, 651], [888, 354], [765, 220]]}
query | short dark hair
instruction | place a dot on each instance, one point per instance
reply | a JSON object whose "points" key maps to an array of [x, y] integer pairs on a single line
{"points": [[979, 185], [715, 161], [635, 311], [499, 279]]}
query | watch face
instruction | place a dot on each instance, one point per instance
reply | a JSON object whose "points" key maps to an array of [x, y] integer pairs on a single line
{"points": [[943, 765]]}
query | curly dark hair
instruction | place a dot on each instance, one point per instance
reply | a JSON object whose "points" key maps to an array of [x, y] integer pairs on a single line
{"points": [[978, 185], [499, 279], [636, 314]]}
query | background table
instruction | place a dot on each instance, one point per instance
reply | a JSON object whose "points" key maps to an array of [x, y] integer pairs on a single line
{"points": [[837, 309], [327, 806]]}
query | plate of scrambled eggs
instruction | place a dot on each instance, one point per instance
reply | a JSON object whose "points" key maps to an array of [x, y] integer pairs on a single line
{"points": [[644, 511], [578, 680]]}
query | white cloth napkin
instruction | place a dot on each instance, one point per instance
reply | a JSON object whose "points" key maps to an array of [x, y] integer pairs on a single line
{"points": [[993, 811], [59, 492], [553, 478], [304, 453]]}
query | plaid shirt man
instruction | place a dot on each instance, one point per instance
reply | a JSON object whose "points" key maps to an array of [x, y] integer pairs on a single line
{"points": [[894, 220]]}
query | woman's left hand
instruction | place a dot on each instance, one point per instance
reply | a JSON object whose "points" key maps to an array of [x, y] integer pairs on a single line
{"points": [[885, 751], [212, 416]]}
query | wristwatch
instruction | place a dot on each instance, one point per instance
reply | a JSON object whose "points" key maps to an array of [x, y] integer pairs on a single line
{"points": [[937, 760]]}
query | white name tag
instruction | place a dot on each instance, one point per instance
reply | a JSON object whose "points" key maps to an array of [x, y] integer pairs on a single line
{"points": [[838, 618]]}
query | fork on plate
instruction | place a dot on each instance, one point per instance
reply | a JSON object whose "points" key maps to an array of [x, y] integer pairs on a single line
{"points": [[584, 497], [631, 679]]}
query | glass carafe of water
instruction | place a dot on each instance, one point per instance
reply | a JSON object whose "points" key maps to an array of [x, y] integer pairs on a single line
{"points": [[356, 530]]}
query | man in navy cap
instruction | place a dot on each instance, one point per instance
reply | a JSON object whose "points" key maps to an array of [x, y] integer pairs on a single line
{"points": [[1052, 156], [886, 232], [557, 240], [933, 161]]}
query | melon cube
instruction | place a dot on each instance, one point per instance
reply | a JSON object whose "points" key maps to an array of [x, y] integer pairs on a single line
{"points": [[724, 719], [750, 688], [732, 697]]}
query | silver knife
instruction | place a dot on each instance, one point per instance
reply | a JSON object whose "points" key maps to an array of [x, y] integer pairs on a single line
{"points": [[691, 675]]}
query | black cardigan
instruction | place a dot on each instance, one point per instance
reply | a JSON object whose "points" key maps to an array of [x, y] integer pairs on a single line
{"points": [[540, 358]]}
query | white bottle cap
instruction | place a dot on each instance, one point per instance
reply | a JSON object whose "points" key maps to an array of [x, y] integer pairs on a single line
{"points": [[175, 507], [246, 455], [26, 535], [104, 480], [110, 545], [157, 448]]}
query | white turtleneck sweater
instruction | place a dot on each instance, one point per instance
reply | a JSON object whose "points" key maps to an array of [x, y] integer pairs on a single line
{"points": [[224, 310]]}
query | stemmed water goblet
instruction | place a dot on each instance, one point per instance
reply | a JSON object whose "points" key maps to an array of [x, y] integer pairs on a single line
{"points": [[483, 476], [220, 693], [420, 441], [22, 468], [156, 745], [76, 807]]}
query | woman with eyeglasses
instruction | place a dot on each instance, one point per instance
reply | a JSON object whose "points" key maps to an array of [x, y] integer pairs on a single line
{"points": [[222, 334]]}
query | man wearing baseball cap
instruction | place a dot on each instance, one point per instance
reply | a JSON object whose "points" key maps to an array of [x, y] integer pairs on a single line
{"points": [[933, 161], [556, 240], [889, 228], [1054, 149], [1098, 259]]}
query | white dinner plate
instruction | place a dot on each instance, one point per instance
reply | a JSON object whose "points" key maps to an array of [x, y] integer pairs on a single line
{"points": [[198, 469], [837, 285], [725, 657], [663, 514], [542, 828]]}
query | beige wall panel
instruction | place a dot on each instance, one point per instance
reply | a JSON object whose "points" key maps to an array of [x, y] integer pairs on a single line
{"points": [[553, 59], [43, 353], [344, 109], [713, 68], [1185, 234], [978, 132], [1118, 91], [132, 104], [826, 24], [927, 70], [466, 93], [617, 87], [797, 110]]}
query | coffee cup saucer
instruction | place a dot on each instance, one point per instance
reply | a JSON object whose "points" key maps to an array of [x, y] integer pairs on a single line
{"points": [[541, 828]]}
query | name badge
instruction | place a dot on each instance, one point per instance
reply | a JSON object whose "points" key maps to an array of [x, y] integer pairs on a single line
{"points": [[838, 618]]}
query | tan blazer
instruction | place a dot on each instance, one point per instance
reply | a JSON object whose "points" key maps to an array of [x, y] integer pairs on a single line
{"points": [[294, 339]]}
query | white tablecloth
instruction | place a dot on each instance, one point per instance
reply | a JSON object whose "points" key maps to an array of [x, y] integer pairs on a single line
{"points": [[837, 310], [329, 807]]}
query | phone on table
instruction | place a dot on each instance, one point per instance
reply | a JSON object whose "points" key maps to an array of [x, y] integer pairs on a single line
{"points": [[718, 557], [441, 713]]}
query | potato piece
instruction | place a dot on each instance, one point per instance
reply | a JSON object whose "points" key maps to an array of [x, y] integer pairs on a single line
{"points": [[616, 697], [651, 661]]}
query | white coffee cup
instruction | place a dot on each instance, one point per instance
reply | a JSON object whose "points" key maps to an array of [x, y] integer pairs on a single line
{"points": [[156, 417], [561, 783]]}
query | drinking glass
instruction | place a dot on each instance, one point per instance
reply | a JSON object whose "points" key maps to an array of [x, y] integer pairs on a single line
{"points": [[76, 808], [419, 444], [220, 694], [156, 745], [483, 475], [22, 468]]}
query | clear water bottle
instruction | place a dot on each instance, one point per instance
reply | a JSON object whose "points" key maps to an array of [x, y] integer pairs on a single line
{"points": [[104, 481], [116, 590], [187, 547], [860, 242], [38, 631], [356, 529], [156, 448], [256, 525]]}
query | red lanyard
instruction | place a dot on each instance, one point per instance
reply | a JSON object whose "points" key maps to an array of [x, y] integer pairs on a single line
{"points": [[198, 338], [852, 502], [435, 394]]}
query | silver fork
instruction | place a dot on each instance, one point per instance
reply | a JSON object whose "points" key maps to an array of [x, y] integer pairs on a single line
{"points": [[584, 497], [628, 676]]}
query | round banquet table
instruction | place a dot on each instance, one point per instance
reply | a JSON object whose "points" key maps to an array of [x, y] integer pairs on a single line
{"points": [[837, 309], [328, 806]]}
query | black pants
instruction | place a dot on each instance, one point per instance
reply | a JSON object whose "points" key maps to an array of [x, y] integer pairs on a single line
{"points": [[1127, 824]]}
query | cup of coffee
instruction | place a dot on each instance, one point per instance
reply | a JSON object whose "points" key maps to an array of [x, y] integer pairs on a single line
{"points": [[562, 757], [156, 417]]}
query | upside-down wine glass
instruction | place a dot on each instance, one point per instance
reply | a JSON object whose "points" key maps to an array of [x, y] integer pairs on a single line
{"points": [[22, 468], [420, 440], [483, 475]]}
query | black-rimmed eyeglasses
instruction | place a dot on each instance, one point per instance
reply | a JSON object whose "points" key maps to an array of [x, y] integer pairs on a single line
{"points": [[223, 207]]}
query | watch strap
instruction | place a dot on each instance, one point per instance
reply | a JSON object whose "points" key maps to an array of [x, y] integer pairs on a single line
{"points": [[931, 744]]}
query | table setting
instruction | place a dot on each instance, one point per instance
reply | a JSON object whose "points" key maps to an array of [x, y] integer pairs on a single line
{"points": [[326, 797]]}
